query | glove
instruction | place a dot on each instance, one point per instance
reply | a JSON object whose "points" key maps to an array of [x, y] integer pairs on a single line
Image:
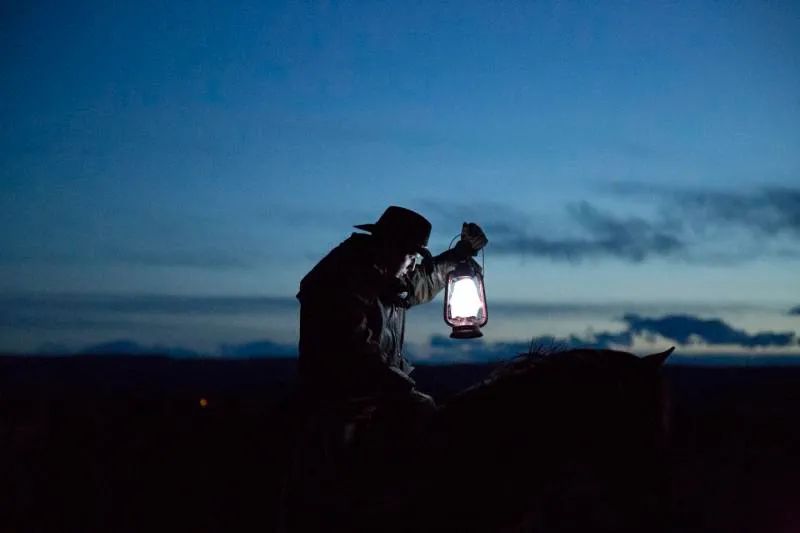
{"points": [[472, 240], [425, 401]]}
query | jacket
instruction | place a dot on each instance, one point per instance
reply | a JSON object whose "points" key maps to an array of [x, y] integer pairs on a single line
{"points": [[352, 321]]}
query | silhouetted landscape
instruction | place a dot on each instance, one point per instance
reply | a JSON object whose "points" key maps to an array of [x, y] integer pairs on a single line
{"points": [[96, 443], [205, 204]]}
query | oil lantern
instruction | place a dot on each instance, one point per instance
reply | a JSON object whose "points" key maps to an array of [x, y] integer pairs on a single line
{"points": [[465, 301]]}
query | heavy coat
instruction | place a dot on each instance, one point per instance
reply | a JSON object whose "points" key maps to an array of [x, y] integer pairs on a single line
{"points": [[352, 321], [360, 415]]}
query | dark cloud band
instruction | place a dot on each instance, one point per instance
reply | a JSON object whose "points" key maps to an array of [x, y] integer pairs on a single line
{"points": [[702, 226], [686, 329]]}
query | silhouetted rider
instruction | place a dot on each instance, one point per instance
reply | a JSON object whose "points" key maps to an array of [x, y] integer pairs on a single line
{"points": [[353, 303], [361, 413]]}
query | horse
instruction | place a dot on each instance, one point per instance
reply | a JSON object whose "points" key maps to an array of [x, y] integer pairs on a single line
{"points": [[566, 441]]}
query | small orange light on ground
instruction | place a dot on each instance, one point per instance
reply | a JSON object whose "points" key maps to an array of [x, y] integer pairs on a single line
{"points": [[203, 402]]}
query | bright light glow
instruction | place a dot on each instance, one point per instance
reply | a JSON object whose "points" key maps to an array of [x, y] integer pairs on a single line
{"points": [[465, 301], [203, 402]]}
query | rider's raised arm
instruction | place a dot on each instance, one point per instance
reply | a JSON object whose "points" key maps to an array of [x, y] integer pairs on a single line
{"points": [[425, 286]]}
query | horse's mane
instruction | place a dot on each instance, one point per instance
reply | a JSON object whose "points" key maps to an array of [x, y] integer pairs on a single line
{"points": [[551, 357]]}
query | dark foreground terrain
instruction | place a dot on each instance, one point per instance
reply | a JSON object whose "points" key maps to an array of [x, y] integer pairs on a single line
{"points": [[145, 443]]}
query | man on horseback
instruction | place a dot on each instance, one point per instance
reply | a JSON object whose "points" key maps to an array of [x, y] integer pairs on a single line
{"points": [[353, 303], [360, 405]]}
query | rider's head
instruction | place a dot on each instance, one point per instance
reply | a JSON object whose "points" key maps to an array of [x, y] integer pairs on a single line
{"points": [[400, 235]]}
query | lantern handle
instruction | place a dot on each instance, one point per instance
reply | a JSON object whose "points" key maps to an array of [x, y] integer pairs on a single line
{"points": [[483, 257], [453, 240]]}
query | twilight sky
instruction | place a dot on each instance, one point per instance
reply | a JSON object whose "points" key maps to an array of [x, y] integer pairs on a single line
{"points": [[170, 170]]}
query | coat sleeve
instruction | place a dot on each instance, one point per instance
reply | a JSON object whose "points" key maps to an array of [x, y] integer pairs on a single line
{"points": [[425, 286]]}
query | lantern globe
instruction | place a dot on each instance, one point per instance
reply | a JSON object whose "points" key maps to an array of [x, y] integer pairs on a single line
{"points": [[465, 302]]}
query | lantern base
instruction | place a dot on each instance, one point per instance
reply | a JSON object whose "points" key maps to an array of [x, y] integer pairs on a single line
{"points": [[466, 332]]}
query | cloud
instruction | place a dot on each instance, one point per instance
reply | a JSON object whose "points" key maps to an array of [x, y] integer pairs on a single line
{"points": [[630, 239], [588, 232], [750, 222], [767, 211], [447, 350], [705, 226], [686, 329], [32, 305], [680, 329], [119, 313]]}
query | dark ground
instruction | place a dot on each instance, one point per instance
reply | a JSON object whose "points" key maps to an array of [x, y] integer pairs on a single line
{"points": [[122, 444]]}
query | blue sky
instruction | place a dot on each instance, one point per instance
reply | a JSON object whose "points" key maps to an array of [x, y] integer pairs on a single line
{"points": [[638, 157]]}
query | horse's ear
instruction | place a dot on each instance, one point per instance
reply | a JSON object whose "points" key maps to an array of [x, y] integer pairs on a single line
{"points": [[657, 359]]}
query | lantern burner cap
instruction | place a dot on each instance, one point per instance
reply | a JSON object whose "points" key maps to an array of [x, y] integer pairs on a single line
{"points": [[466, 332]]}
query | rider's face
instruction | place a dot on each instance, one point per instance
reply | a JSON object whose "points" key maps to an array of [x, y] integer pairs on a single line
{"points": [[396, 260], [399, 262], [407, 264]]}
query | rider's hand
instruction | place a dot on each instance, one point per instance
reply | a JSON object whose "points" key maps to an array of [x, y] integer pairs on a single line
{"points": [[423, 398], [472, 239]]}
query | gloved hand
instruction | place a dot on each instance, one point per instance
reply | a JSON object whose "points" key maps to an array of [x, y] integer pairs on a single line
{"points": [[424, 400], [472, 240]]}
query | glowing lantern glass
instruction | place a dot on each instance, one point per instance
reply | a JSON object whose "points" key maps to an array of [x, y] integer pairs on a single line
{"points": [[465, 301]]}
